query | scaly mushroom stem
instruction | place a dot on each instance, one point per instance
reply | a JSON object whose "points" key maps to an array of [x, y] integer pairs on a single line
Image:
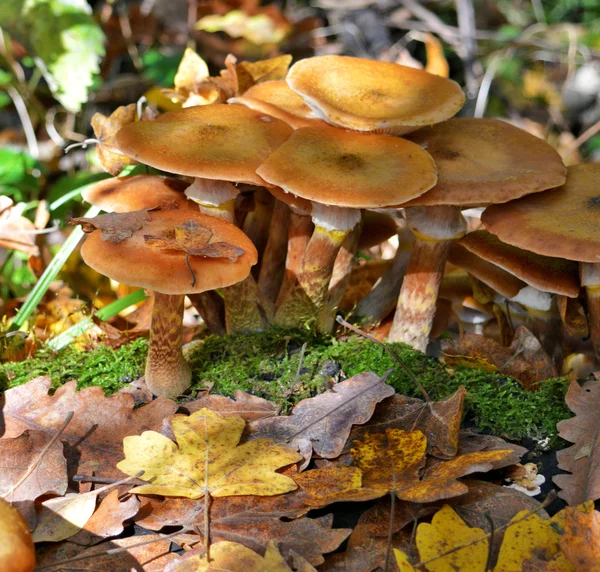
{"points": [[246, 308], [380, 301], [274, 256], [300, 230], [590, 279], [211, 308], [434, 229], [167, 372], [340, 277], [257, 223]]}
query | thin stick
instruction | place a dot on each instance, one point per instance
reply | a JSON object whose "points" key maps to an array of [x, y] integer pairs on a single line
{"points": [[79, 478], [389, 351], [290, 391], [206, 495], [388, 547], [488, 564], [39, 458]]}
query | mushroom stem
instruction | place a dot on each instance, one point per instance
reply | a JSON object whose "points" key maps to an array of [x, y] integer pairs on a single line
{"points": [[167, 372], [434, 229], [590, 279], [257, 223], [380, 301], [211, 308], [340, 277], [274, 256], [246, 308], [299, 232]]}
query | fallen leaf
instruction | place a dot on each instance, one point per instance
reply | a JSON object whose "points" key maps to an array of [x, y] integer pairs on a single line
{"points": [[94, 437], [107, 520], [231, 556], [150, 557], [48, 477], [579, 532], [207, 459], [582, 458], [251, 73], [248, 407], [16, 231], [114, 227], [323, 423]]}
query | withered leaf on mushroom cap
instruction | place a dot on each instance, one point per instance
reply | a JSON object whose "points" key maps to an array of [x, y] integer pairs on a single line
{"points": [[114, 227], [192, 238]]}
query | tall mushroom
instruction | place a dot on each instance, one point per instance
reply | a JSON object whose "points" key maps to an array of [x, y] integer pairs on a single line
{"points": [[340, 172], [480, 162], [172, 252]]}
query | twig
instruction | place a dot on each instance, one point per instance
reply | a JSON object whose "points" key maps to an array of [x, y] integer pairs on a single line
{"points": [[125, 25], [388, 546], [488, 564], [39, 458], [389, 351], [79, 478], [585, 136], [21, 108], [292, 387], [207, 497]]}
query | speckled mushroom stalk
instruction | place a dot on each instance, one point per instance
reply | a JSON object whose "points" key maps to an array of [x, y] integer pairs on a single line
{"points": [[434, 229], [590, 280]]}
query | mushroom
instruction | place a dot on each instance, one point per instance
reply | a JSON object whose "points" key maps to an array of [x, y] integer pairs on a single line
{"points": [[221, 143], [173, 253], [560, 223], [340, 172], [368, 95], [480, 162]]}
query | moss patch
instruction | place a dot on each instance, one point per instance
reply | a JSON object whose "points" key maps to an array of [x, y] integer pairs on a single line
{"points": [[267, 365]]}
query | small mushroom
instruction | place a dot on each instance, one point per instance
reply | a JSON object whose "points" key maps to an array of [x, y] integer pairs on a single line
{"points": [[173, 252]]}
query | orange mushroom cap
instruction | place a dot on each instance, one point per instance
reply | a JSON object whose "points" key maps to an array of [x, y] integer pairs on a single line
{"points": [[368, 95], [124, 194], [341, 168], [486, 161], [561, 223], [134, 261], [224, 142]]}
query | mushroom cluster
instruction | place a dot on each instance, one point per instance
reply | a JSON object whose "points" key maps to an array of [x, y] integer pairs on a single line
{"points": [[279, 179]]}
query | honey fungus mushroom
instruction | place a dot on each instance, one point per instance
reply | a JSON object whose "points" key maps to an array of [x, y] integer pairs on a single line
{"points": [[173, 253]]}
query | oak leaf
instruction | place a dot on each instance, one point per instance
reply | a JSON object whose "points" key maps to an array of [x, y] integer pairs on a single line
{"points": [[582, 458], [579, 532], [94, 437], [114, 227], [207, 459], [324, 422], [248, 407]]}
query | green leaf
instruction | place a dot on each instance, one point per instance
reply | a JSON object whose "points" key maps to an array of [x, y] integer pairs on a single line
{"points": [[64, 39], [161, 68], [19, 174]]}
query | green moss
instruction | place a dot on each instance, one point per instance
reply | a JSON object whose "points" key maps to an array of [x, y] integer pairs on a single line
{"points": [[268, 365]]}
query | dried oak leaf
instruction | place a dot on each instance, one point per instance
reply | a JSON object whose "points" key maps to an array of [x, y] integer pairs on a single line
{"points": [[105, 129], [207, 459], [151, 557], [94, 437], [114, 227], [579, 530], [439, 421], [248, 407], [324, 422], [582, 458], [49, 475], [227, 555], [16, 231], [251, 520], [107, 520]]}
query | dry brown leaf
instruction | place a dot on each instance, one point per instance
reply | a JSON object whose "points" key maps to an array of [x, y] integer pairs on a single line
{"points": [[16, 231], [582, 458], [439, 421], [48, 477], [107, 520], [152, 557], [253, 521], [323, 423], [114, 227], [524, 359], [579, 529], [95, 435], [251, 73], [248, 407]]}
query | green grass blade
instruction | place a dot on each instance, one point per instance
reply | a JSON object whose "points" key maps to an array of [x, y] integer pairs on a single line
{"points": [[49, 275], [112, 309]]}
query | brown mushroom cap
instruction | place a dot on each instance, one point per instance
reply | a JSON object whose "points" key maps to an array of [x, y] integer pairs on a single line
{"points": [[135, 262], [125, 194], [298, 204], [486, 161], [368, 95], [336, 167], [225, 142], [546, 273], [562, 222], [277, 99]]}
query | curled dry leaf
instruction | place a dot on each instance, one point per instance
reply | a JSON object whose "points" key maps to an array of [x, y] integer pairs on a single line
{"points": [[207, 458], [114, 227], [16, 231], [248, 407], [323, 423], [582, 458], [95, 434], [107, 520], [48, 477]]}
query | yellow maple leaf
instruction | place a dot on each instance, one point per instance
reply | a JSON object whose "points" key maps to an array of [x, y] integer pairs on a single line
{"points": [[207, 459]]}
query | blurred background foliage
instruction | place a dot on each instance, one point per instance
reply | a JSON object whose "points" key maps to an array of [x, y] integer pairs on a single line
{"points": [[535, 63]]}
